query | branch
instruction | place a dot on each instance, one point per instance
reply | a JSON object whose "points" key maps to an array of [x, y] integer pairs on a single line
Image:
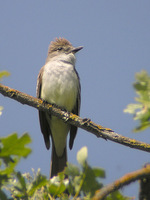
{"points": [[144, 187], [73, 119], [125, 180]]}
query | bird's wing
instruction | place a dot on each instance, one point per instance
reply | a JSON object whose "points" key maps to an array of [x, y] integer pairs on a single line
{"points": [[76, 110], [45, 129]]}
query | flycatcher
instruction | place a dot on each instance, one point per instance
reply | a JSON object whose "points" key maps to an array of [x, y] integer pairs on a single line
{"points": [[58, 82]]}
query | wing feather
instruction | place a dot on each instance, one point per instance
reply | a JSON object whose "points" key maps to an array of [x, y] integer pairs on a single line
{"points": [[76, 110], [45, 129]]}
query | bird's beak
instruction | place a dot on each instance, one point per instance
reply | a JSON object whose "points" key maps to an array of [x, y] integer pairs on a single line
{"points": [[76, 49]]}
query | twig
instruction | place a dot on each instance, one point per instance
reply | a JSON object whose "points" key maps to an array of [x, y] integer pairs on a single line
{"points": [[125, 180], [73, 119]]}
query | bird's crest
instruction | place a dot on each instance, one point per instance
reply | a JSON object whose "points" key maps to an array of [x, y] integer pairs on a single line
{"points": [[58, 42]]}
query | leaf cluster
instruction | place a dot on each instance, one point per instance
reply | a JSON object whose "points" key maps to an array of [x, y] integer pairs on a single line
{"points": [[141, 109], [75, 182], [12, 149]]}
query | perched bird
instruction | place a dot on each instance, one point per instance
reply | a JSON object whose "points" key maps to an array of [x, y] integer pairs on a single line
{"points": [[58, 83]]}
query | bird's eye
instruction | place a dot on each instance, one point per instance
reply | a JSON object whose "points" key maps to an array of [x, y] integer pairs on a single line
{"points": [[59, 48]]}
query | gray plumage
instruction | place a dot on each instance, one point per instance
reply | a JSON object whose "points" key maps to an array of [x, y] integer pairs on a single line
{"points": [[58, 82]]}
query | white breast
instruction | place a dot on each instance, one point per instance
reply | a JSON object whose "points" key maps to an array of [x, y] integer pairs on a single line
{"points": [[60, 84]]}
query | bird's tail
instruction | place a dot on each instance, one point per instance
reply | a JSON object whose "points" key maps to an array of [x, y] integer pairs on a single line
{"points": [[57, 163]]}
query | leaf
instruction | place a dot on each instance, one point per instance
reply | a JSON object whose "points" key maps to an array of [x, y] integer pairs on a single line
{"points": [[10, 167], [56, 190], [82, 155], [132, 108], [74, 175], [1, 108], [40, 181], [12, 145], [4, 73], [144, 126], [58, 184], [90, 184], [21, 186], [118, 196], [98, 172], [72, 170], [141, 109], [85, 181]]}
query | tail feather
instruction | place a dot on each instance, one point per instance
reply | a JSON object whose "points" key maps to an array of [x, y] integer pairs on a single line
{"points": [[57, 163]]}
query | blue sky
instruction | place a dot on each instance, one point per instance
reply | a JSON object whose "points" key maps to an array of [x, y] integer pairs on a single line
{"points": [[116, 39]]}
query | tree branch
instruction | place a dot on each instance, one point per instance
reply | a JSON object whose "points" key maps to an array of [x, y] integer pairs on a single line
{"points": [[73, 119], [144, 187], [125, 180]]}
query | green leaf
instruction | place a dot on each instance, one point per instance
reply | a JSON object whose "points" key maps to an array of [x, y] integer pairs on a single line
{"points": [[98, 172], [4, 73], [21, 185], [90, 184], [72, 170], [144, 126], [40, 181], [10, 167], [74, 175], [58, 185], [132, 108], [141, 109], [118, 196], [12, 145]]}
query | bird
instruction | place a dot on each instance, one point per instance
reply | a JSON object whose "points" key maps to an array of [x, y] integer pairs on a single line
{"points": [[58, 83]]}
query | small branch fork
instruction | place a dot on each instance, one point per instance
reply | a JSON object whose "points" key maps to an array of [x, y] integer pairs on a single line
{"points": [[142, 174], [67, 117]]}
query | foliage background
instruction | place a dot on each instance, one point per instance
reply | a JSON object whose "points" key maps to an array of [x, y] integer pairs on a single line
{"points": [[115, 36]]}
